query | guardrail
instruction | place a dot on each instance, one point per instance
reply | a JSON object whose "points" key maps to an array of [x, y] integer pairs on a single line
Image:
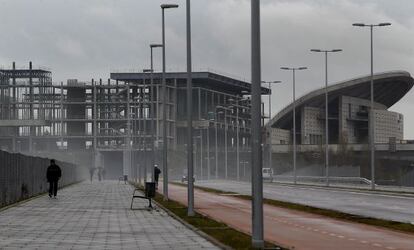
{"points": [[23, 176], [322, 179]]}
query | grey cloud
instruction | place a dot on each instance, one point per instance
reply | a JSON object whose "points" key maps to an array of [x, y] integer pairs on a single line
{"points": [[87, 39]]}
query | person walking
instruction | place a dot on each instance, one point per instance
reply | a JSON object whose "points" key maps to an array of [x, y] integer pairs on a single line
{"points": [[103, 173], [91, 171], [53, 175], [157, 173], [99, 173]]}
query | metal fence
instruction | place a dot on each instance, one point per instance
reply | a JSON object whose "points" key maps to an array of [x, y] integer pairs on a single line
{"points": [[23, 176]]}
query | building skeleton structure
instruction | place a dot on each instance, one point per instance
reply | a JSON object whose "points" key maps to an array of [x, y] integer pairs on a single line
{"points": [[99, 118]]}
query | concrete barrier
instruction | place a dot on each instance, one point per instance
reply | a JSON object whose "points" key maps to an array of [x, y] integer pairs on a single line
{"points": [[23, 176]]}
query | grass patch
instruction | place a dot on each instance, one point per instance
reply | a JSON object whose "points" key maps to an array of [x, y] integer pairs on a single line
{"points": [[217, 230], [394, 225], [378, 190]]}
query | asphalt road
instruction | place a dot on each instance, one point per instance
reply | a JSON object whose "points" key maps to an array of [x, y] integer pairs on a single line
{"points": [[294, 229], [389, 206]]}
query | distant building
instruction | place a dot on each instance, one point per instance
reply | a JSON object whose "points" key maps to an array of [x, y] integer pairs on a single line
{"points": [[103, 121], [348, 115]]}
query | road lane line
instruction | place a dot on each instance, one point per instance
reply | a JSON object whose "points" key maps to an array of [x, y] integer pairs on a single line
{"points": [[272, 217]]}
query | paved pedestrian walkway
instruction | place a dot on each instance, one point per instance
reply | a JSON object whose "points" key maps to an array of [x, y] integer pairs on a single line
{"points": [[93, 216]]}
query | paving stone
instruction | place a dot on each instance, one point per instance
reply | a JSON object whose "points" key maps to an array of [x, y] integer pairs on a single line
{"points": [[93, 216]]}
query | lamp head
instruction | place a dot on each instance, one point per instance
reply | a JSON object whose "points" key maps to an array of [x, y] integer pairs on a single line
{"points": [[302, 68], [154, 45], [384, 24], [358, 24], [169, 6]]}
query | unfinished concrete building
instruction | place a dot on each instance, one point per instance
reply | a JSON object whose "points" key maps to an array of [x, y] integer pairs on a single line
{"points": [[117, 124]]}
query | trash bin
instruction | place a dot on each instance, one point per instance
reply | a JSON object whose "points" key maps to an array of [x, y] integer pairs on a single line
{"points": [[150, 189]]}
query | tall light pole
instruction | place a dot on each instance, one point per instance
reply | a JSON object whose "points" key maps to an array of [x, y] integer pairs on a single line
{"points": [[294, 118], [190, 167], [326, 110], [208, 151], [154, 114], [236, 104], [164, 111], [257, 180], [216, 143], [270, 118], [225, 138], [200, 137], [371, 112], [144, 141], [244, 168], [151, 120]]}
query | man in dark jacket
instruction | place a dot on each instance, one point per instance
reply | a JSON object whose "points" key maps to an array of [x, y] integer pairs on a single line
{"points": [[53, 175], [157, 173]]}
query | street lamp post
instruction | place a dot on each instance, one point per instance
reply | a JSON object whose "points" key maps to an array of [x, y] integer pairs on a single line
{"points": [[225, 138], [225, 145], [326, 110], [128, 140], [256, 163], [154, 114], [237, 141], [200, 137], [294, 119], [216, 143], [236, 102], [190, 167], [244, 163], [164, 111], [270, 117], [208, 151], [371, 113], [144, 122]]}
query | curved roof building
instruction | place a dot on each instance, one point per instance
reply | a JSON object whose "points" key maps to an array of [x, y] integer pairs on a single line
{"points": [[348, 105]]}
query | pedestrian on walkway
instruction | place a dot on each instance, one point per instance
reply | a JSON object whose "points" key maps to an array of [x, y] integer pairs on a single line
{"points": [[91, 171], [103, 173], [99, 173], [157, 173], [53, 175]]}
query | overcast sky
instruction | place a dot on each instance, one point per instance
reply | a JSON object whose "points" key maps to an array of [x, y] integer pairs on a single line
{"points": [[87, 39]]}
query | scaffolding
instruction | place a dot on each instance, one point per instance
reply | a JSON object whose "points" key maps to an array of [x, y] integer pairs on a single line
{"points": [[122, 114]]}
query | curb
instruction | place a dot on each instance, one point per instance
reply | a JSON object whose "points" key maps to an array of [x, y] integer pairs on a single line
{"points": [[191, 227], [15, 204]]}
